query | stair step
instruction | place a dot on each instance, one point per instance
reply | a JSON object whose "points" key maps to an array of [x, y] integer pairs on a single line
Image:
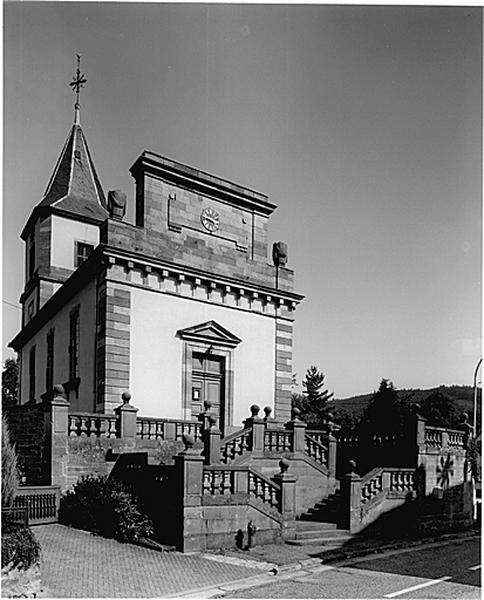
{"points": [[322, 534], [335, 541], [319, 516], [315, 525]]}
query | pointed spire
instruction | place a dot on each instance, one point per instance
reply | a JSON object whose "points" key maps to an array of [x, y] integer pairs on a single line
{"points": [[77, 84], [74, 185]]}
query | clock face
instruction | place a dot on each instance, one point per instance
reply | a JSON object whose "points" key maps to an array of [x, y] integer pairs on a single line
{"points": [[210, 219]]}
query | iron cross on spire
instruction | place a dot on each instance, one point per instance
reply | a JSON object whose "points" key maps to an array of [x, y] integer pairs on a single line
{"points": [[77, 84]]}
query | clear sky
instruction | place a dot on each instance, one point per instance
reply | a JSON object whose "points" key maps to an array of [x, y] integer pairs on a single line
{"points": [[363, 124]]}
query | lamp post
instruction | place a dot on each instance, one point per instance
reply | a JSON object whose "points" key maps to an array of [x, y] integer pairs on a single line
{"points": [[475, 397]]}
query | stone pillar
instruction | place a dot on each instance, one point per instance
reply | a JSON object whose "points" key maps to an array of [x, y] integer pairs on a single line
{"points": [[211, 441], [204, 416], [189, 475], [56, 439], [126, 413], [349, 517], [298, 429], [332, 449], [258, 428], [287, 499], [417, 434]]}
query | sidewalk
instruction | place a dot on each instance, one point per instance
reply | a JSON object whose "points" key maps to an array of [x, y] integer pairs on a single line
{"points": [[77, 564], [288, 556]]}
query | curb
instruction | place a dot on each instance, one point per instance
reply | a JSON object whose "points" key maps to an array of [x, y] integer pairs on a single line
{"points": [[282, 572], [340, 554]]}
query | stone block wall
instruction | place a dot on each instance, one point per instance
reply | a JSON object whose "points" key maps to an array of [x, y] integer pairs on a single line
{"points": [[26, 424], [225, 526], [283, 383], [113, 345], [312, 483]]}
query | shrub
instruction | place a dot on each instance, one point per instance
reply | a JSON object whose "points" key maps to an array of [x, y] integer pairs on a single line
{"points": [[105, 506], [20, 548], [9, 467]]}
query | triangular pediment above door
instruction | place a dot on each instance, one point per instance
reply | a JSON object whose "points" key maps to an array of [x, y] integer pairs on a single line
{"points": [[209, 332]]}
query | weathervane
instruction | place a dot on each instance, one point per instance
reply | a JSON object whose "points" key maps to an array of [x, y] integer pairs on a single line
{"points": [[77, 84]]}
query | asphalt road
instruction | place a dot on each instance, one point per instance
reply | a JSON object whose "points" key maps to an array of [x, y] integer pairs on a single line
{"points": [[448, 570]]}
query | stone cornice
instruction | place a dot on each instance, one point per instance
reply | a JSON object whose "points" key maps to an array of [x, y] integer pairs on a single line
{"points": [[40, 212], [190, 178], [217, 289], [163, 269]]}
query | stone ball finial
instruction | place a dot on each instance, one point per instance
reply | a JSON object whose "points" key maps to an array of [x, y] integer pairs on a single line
{"points": [[117, 204], [352, 465], [267, 412], [59, 390], [188, 441], [212, 419], [126, 397], [279, 254], [415, 408], [254, 410], [295, 413], [207, 405], [284, 465]]}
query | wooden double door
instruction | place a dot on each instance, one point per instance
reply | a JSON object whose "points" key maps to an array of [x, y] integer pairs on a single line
{"points": [[208, 375]]}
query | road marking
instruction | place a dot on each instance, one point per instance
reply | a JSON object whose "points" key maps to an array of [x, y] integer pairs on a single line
{"points": [[417, 587], [475, 568]]}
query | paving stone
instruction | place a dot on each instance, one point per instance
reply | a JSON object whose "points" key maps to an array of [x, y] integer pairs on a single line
{"points": [[77, 564]]}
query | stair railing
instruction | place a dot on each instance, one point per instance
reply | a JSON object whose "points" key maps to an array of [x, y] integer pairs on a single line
{"points": [[362, 495]]}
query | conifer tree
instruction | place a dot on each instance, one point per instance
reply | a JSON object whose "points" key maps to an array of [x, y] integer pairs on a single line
{"points": [[313, 401]]}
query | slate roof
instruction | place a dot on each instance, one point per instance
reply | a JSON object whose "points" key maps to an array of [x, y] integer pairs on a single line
{"points": [[74, 185]]}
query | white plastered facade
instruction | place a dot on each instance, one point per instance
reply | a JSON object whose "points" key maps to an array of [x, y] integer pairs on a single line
{"points": [[156, 353]]}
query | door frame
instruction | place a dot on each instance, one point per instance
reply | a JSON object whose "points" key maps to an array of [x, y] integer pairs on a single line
{"points": [[208, 338]]}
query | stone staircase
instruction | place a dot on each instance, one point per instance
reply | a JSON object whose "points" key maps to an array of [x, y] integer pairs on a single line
{"points": [[319, 526]]}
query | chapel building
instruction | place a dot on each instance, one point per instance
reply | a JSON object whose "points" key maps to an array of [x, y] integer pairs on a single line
{"points": [[181, 306]]}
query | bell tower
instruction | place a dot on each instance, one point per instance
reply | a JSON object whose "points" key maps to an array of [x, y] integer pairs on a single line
{"points": [[63, 228]]}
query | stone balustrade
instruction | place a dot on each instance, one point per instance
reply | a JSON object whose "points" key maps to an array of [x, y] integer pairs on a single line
{"points": [[235, 445], [92, 425], [277, 441], [316, 450], [362, 495], [152, 428], [433, 437], [264, 489]]}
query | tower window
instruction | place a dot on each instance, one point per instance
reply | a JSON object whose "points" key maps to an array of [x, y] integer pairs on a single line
{"points": [[32, 374], [83, 251], [49, 370], [74, 344], [30, 311], [31, 255]]}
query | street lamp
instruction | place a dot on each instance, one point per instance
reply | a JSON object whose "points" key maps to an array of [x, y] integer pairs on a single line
{"points": [[475, 397]]}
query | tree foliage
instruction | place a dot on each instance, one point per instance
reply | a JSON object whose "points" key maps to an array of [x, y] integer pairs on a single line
{"points": [[9, 467], [10, 376], [439, 410], [313, 401], [385, 411]]}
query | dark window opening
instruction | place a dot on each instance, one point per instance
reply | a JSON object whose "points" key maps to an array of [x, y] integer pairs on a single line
{"points": [[31, 255], [82, 252], [49, 370], [74, 345], [32, 374]]}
